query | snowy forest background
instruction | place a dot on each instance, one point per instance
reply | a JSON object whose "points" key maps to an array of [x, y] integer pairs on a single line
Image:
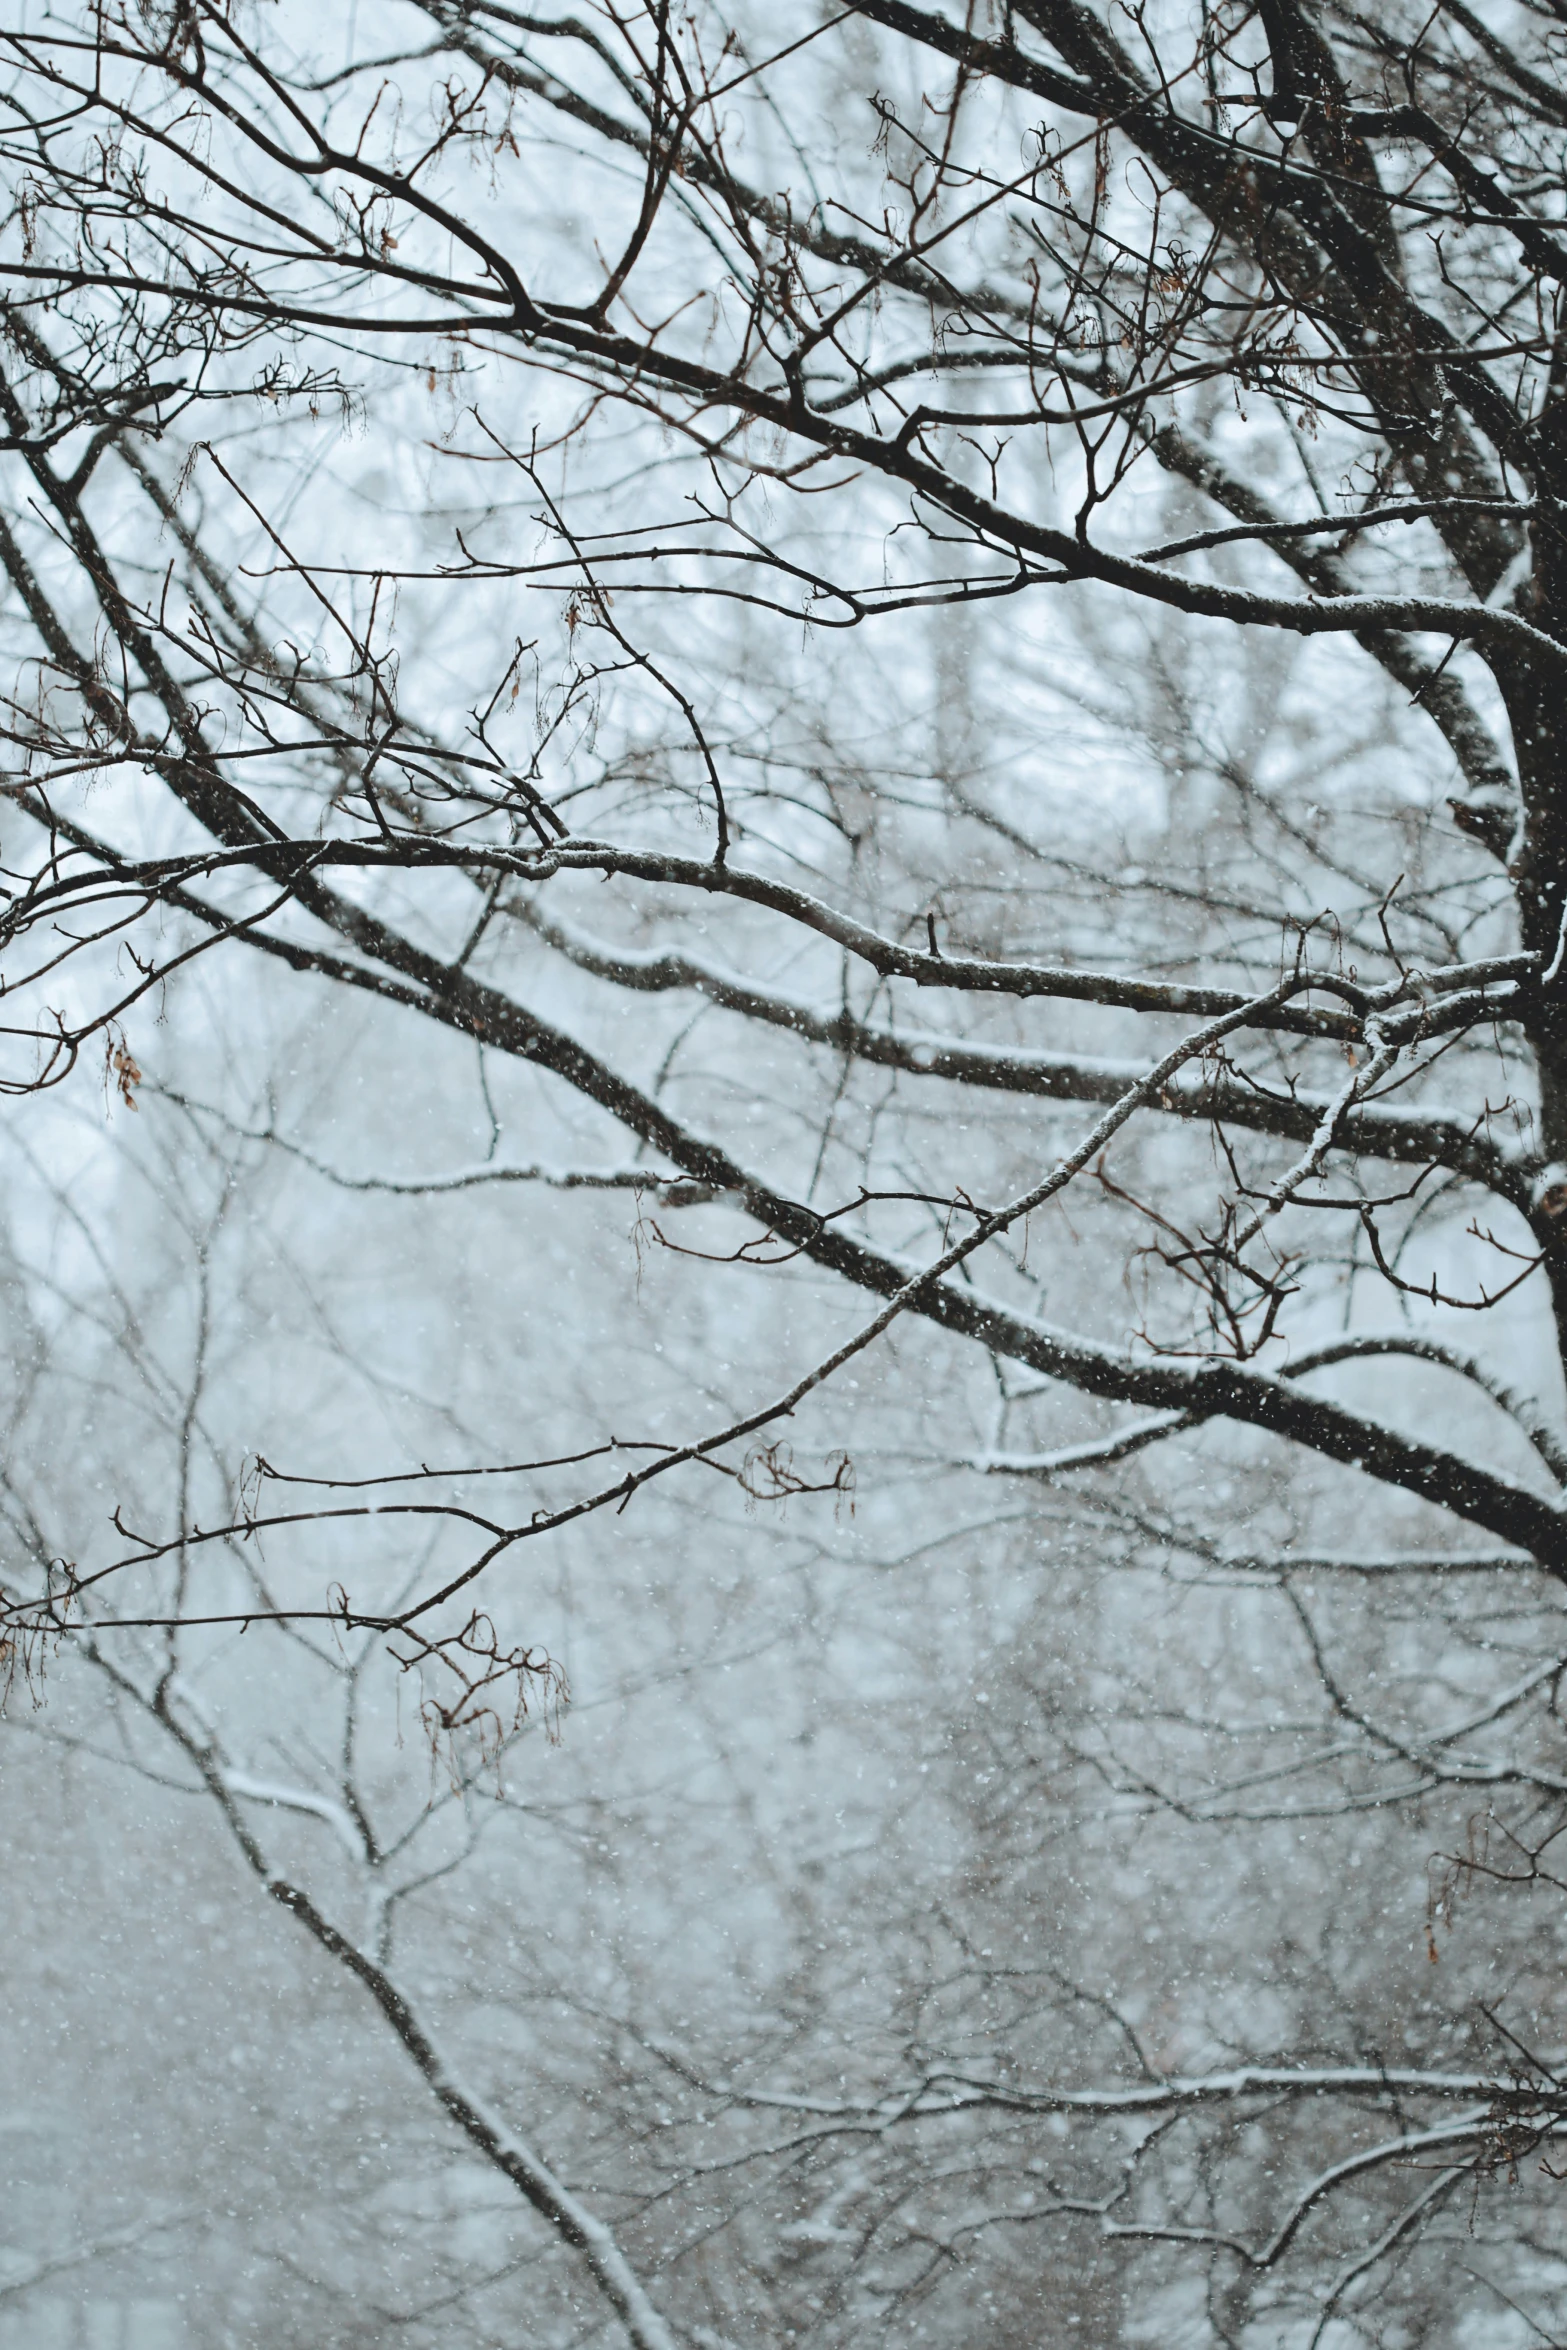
{"points": [[970, 1863]]}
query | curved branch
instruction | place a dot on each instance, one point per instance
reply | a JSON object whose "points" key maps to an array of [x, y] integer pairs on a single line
{"points": [[564, 2212], [1418, 1135], [1523, 1409], [1213, 1388]]}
